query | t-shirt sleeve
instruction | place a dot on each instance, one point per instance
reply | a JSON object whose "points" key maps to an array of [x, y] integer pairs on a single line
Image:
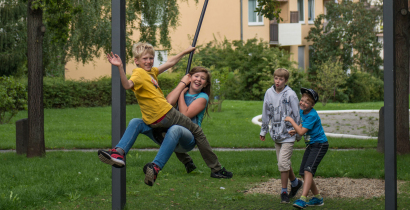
{"points": [[309, 121], [203, 95], [135, 77]]}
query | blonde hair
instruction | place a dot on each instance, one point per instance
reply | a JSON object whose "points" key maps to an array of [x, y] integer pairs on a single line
{"points": [[281, 72], [141, 48], [309, 98]]}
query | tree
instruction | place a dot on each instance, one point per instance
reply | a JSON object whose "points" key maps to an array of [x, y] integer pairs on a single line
{"points": [[80, 30], [402, 47], [13, 35], [347, 33], [330, 77], [269, 9], [35, 32]]}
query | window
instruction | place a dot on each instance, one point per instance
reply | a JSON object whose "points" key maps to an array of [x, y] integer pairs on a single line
{"points": [[301, 57], [311, 11], [253, 17], [301, 10], [161, 56]]}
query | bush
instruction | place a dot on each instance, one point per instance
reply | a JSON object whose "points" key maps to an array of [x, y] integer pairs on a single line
{"points": [[251, 63], [59, 93], [330, 76], [13, 98], [363, 87]]}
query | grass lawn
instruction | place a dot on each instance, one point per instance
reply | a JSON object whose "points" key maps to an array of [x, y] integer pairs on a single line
{"points": [[91, 127], [78, 180]]}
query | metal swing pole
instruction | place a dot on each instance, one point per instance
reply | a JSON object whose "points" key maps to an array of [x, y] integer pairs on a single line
{"points": [[198, 28]]}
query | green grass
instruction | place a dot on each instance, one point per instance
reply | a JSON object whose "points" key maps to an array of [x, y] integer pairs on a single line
{"points": [[91, 127], [78, 180]]}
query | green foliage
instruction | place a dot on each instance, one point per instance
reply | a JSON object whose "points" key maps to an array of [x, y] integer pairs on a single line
{"points": [[330, 77], [269, 9], [362, 87], [13, 45], [13, 98], [168, 81], [79, 30], [59, 93], [347, 36], [252, 64]]}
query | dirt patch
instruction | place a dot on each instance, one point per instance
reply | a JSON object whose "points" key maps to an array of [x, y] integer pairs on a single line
{"points": [[331, 187]]}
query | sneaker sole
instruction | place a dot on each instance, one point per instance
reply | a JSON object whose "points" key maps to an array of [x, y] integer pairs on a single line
{"points": [[299, 207], [221, 177], [284, 202], [106, 158], [149, 175], [317, 204]]}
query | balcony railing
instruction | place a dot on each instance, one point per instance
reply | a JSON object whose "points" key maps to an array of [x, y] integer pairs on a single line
{"points": [[286, 34]]}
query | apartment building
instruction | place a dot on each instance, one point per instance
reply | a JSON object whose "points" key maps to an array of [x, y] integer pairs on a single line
{"points": [[233, 19]]}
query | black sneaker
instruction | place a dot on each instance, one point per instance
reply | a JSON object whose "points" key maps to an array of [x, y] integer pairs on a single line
{"points": [[190, 166], [294, 190], [111, 157], [284, 197], [151, 171], [223, 173]]}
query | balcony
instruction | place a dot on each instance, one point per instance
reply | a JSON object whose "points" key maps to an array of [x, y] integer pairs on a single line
{"points": [[286, 34]]}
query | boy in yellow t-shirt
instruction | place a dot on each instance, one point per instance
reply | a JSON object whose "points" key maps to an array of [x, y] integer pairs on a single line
{"points": [[156, 111]]}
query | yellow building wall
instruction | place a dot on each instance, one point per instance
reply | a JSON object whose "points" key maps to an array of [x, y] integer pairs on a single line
{"points": [[222, 19]]}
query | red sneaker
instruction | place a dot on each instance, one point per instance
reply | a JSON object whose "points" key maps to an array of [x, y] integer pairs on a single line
{"points": [[151, 171], [112, 157]]}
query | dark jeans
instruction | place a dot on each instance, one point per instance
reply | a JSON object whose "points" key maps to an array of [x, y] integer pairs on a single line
{"points": [[314, 153], [174, 117]]}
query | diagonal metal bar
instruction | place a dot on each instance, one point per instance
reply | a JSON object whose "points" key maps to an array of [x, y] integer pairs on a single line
{"points": [[198, 28]]}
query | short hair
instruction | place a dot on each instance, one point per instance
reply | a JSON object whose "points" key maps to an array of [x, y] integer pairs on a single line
{"points": [[309, 98], [141, 48], [281, 72]]}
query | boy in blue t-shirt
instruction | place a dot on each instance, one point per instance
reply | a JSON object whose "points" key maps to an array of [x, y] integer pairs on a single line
{"points": [[317, 146]]}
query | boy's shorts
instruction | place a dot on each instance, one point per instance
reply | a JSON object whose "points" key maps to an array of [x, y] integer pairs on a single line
{"points": [[314, 153], [283, 154]]}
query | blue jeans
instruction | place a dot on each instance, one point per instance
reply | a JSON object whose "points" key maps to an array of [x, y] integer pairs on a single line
{"points": [[177, 138]]}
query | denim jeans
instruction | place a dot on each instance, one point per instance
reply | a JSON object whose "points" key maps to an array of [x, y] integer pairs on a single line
{"points": [[174, 117], [177, 138]]}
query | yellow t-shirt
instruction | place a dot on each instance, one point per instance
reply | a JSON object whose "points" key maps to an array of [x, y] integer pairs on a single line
{"points": [[149, 95]]}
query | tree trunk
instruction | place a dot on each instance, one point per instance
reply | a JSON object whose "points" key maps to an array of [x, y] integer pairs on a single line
{"points": [[402, 77], [36, 145]]}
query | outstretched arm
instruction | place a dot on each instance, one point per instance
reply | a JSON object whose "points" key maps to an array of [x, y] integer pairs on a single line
{"points": [[173, 96], [174, 60], [116, 61], [298, 128]]}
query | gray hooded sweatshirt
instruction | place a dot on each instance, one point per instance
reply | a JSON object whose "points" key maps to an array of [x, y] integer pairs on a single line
{"points": [[276, 107]]}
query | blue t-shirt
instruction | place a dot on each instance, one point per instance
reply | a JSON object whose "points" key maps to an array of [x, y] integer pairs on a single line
{"points": [[190, 98], [311, 121]]}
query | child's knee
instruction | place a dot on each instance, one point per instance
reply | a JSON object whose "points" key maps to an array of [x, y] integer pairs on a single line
{"points": [[284, 165]]}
